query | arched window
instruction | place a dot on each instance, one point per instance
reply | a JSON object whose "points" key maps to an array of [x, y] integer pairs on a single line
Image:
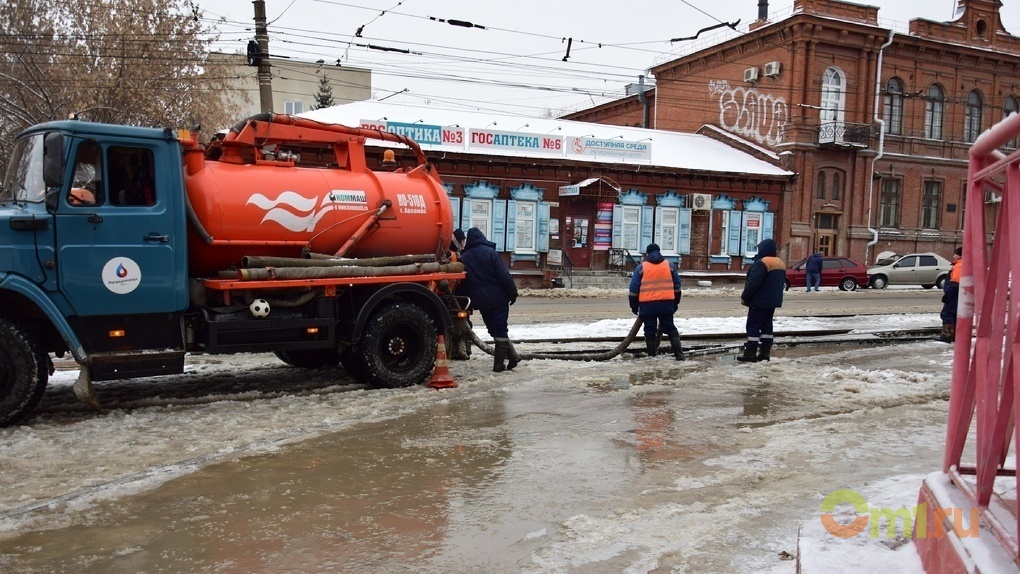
{"points": [[820, 186], [837, 186], [833, 95], [934, 110], [1010, 106], [972, 117], [892, 111]]}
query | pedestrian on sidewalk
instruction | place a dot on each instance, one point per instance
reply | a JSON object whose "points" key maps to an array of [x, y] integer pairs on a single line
{"points": [[814, 270], [655, 296], [762, 295], [951, 297], [492, 291]]}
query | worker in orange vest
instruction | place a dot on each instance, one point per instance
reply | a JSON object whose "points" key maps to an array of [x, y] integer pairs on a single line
{"points": [[951, 297], [655, 296]]}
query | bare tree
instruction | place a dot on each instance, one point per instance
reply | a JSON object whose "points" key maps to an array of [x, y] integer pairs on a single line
{"points": [[135, 62]]}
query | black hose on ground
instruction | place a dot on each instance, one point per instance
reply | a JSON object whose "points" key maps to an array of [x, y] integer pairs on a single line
{"points": [[604, 356]]}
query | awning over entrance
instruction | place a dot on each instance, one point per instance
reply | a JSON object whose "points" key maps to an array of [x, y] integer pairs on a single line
{"points": [[575, 189]]}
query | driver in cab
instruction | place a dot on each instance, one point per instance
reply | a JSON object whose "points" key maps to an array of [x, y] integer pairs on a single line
{"points": [[85, 185]]}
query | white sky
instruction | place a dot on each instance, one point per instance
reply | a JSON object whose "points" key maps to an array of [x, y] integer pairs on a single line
{"points": [[134, 449], [522, 45]]}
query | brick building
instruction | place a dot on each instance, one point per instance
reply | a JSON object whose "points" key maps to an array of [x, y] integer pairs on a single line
{"points": [[875, 122]]}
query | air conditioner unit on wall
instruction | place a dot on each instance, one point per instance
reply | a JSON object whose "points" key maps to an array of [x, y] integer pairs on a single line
{"points": [[751, 75], [701, 202], [772, 69]]}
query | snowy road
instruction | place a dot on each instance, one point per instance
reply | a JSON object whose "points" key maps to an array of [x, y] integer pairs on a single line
{"points": [[245, 465]]}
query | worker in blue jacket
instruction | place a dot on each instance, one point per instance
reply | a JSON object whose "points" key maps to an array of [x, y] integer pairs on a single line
{"points": [[762, 295], [492, 290], [654, 296]]}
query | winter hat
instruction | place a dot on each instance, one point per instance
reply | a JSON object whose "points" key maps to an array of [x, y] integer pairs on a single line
{"points": [[475, 235], [959, 251], [458, 234], [652, 247], [767, 248]]}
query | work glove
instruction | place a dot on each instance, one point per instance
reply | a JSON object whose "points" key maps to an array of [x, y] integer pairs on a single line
{"points": [[944, 298], [513, 299], [633, 310], [744, 303]]}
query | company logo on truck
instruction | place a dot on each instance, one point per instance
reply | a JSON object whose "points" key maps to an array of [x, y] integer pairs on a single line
{"points": [[296, 212], [121, 275]]}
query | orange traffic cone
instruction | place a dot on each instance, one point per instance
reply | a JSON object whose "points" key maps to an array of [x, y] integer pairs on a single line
{"points": [[441, 378]]}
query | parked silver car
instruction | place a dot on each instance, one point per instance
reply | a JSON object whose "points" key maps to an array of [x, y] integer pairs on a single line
{"points": [[925, 269]]}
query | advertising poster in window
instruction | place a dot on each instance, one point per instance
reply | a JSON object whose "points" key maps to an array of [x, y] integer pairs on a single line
{"points": [[604, 226]]}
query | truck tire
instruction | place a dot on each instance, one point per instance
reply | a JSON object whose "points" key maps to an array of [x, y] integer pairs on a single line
{"points": [[309, 358], [23, 373], [353, 364], [398, 347]]}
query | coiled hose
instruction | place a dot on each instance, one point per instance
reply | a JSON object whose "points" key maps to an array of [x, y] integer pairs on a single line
{"points": [[604, 356]]}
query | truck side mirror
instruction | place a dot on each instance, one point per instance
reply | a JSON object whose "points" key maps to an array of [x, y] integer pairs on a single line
{"points": [[53, 160]]}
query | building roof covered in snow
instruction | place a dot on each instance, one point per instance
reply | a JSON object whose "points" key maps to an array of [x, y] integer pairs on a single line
{"points": [[486, 133]]}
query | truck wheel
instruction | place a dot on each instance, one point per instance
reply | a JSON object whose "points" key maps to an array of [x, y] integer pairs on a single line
{"points": [[398, 347], [309, 358], [23, 373]]}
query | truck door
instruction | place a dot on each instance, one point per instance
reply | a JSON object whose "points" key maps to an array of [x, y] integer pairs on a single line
{"points": [[115, 233]]}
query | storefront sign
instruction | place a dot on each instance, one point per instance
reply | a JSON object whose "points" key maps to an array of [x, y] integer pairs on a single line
{"points": [[569, 190], [422, 134], [516, 141], [618, 148]]}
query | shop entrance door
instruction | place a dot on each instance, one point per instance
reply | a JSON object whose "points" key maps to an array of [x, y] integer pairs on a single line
{"points": [[578, 239]]}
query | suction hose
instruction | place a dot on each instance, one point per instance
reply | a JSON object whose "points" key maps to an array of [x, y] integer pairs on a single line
{"points": [[604, 356]]}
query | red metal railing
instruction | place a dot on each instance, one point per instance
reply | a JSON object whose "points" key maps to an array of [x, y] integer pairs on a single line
{"points": [[987, 349]]}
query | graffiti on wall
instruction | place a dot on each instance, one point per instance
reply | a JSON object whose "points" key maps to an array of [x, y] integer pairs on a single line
{"points": [[752, 114]]}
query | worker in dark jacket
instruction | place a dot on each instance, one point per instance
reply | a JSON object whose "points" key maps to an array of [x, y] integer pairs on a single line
{"points": [[813, 267], [655, 296], [762, 295], [492, 291], [460, 346]]}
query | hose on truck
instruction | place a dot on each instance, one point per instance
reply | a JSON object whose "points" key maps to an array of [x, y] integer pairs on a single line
{"points": [[603, 356]]}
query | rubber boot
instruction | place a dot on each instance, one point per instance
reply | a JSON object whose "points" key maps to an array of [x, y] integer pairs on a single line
{"points": [[678, 348], [652, 344], [499, 355], [750, 352], [512, 357], [764, 349], [948, 330]]}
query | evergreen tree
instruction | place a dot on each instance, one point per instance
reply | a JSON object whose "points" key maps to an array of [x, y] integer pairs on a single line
{"points": [[324, 97]]}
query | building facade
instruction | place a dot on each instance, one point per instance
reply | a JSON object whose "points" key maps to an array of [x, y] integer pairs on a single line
{"points": [[556, 194], [876, 123], [295, 84]]}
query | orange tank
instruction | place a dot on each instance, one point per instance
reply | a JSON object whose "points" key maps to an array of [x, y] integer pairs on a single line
{"points": [[276, 208]]}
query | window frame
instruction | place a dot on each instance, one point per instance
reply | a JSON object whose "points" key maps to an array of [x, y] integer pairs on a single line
{"points": [[972, 116], [892, 107], [934, 112], [889, 212], [833, 96], [533, 219], [931, 204]]}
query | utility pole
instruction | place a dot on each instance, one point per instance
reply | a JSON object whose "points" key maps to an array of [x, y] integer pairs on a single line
{"points": [[264, 74]]}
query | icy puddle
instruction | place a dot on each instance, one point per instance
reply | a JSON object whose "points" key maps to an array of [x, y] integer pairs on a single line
{"points": [[637, 465]]}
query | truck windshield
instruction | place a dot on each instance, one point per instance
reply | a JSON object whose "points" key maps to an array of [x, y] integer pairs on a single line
{"points": [[24, 178]]}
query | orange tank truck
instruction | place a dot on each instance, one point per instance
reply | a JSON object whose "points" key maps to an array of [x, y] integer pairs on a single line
{"points": [[277, 237]]}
